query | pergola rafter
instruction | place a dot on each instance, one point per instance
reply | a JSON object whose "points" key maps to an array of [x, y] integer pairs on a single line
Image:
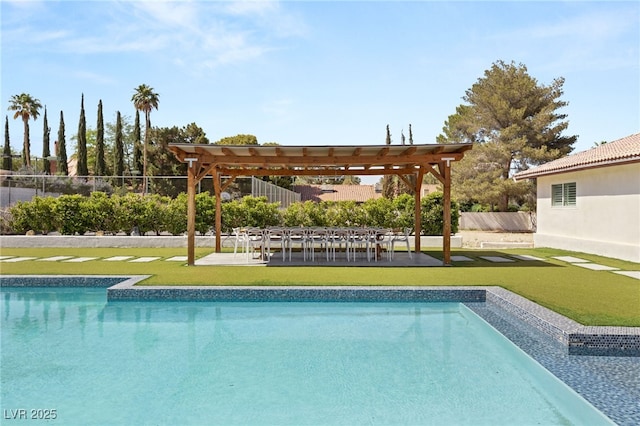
{"points": [[231, 161]]}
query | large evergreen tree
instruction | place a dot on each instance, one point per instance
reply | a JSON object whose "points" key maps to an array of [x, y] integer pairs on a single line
{"points": [[118, 150], [7, 159], [101, 165], [63, 167], [82, 168], [240, 139], [25, 107], [46, 153], [514, 123]]}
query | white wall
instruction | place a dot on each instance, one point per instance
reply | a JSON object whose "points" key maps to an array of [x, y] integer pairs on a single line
{"points": [[605, 219]]}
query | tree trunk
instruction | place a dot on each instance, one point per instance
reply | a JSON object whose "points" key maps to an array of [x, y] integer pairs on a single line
{"points": [[26, 147]]}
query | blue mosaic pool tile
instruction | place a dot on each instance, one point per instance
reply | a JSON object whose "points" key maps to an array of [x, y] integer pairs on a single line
{"points": [[298, 294], [62, 280], [610, 383]]}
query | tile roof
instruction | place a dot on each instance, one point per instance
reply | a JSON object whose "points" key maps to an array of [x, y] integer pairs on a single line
{"points": [[317, 193], [625, 150]]}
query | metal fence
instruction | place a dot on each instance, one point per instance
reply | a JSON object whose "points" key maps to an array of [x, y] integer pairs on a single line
{"points": [[14, 188]]}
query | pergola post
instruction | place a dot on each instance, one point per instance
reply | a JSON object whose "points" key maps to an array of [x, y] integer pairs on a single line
{"points": [[191, 214], [418, 210], [217, 189], [445, 170]]}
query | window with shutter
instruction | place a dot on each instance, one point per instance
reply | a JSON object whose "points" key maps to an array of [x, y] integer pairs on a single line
{"points": [[563, 194]]}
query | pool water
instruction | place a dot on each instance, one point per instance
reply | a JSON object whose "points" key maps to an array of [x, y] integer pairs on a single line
{"points": [[95, 362]]}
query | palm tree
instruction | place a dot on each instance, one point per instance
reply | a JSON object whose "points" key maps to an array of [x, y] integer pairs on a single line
{"points": [[145, 99], [25, 107]]}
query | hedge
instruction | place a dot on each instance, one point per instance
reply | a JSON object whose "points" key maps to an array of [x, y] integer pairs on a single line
{"points": [[112, 214]]}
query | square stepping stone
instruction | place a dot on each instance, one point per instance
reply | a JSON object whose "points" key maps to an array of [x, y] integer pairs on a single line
{"points": [[596, 267], [630, 274], [177, 259], [117, 258], [144, 259], [570, 259], [18, 259], [497, 259], [527, 257], [461, 259], [80, 259], [54, 258]]}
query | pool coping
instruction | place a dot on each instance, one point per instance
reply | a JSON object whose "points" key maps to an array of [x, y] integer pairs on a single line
{"points": [[576, 338]]}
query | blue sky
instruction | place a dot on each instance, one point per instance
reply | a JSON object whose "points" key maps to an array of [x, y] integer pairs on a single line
{"points": [[316, 73]]}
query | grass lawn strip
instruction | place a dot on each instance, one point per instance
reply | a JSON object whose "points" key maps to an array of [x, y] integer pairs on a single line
{"points": [[589, 297]]}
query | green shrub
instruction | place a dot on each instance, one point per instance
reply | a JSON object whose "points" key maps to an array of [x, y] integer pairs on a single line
{"points": [[134, 211], [431, 215], [205, 212], [99, 211], [70, 211], [176, 215], [404, 211], [36, 215], [379, 212], [260, 212]]}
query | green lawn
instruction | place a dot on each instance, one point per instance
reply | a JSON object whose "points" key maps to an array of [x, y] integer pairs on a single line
{"points": [[589, 297]]}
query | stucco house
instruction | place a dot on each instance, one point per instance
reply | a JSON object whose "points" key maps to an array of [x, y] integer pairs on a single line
{"points": [[590, 201]]}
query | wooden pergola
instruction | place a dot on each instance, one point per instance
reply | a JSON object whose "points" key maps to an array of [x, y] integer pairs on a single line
{"points": [[231, 161]]}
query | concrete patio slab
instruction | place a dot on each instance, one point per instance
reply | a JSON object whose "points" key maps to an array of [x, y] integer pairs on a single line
{"points": [[177, 259], [527, 257], [570, 259], [228, 259], [630, 274], [461, 259], [596, 267], [18, 259], [54, 258], [80, 259], [117, 258], [144, 259], [497, 259]]}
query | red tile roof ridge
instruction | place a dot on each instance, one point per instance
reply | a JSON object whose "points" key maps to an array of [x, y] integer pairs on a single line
{"points": [[358, 193], [623, 150]]}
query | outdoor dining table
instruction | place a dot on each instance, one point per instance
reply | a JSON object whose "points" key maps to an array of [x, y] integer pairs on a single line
{"points": [[313, 241]]}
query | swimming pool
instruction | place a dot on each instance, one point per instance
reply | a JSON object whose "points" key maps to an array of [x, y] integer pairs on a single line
{"points": [[95, 362]]}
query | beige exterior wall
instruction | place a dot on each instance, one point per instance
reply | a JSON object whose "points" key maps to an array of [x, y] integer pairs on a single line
{"points": [[605, 219]]}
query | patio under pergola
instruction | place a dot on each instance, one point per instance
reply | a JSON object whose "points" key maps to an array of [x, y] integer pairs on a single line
{"points": [[224, 163]]}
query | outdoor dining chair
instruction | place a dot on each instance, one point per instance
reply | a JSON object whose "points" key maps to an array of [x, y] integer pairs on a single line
{"points": [[277, 236], [240, 240], [255, 243], [402, 237]]}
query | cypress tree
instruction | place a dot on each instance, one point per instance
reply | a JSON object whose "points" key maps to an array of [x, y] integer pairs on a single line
{"points": [[83, 170], [7, 159], [62, 148], [137, 144], [118, 161], [388, 181], [410, 135], [101, 167], [46, 153]]}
